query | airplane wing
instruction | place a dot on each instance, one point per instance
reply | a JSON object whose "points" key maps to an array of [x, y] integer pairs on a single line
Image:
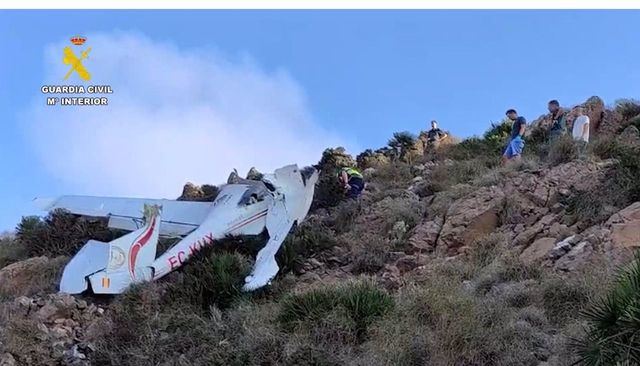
{"points": [[178, 217]]}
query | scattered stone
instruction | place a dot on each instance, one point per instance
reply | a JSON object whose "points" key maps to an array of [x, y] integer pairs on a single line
{"points": [[538, 250]]}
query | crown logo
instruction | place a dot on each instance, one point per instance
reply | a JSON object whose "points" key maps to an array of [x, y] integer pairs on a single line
{"points": [[78, 40]]}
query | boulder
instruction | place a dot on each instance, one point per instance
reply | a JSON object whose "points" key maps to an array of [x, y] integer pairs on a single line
{"points": [[577, 257], [538, 250], [625, 227], [425, 235], [470, 218]]}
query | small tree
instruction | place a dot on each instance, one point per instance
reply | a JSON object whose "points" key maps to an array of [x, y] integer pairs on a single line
{"points": [[403, 142]]}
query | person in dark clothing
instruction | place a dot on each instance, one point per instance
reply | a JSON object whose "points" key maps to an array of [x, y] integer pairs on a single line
{"points": [[352, 181], [435, 134], [558, 125], [516, 143]]}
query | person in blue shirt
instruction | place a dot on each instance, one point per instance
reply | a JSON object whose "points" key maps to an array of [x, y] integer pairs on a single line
{"points": [[516, 143]]}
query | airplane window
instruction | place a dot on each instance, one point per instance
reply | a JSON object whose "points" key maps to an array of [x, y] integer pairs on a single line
{"points": [[252, 196]]}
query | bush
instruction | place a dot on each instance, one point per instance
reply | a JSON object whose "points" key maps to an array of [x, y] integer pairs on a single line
{"points": [[563, 150], [59, 233], [613, 323], [563, 298], [445, 176], [11, 251], [211, 278], [591, 207], [623, 185], [404, 143], [38, 276], [396, 175], [362, 301], [485, 250], [144, 331], [470, 148], [369, 254], [628, 108], [308, 239], [498, 134]]}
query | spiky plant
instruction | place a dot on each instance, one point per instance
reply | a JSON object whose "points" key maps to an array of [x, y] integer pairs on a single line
{"points": [[403, 142], [613, 332]]}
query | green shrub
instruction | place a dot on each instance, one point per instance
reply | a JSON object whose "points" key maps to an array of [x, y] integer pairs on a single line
{"points": [[344, 215], [444, 176], [396, 175], [591, 207], [613, 323], [563, 298], [11, 251], [60, 233], [369, 254], [469, 148], [485, 250], [404, 143], [362, 301], [146, 331], [308, 239], [308, 306], [623, 186], [628, 108], [211, 278], [563, 150], [497, 135]]}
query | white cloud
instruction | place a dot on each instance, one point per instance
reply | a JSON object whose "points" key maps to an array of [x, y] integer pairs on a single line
{"points": [[175, 116]]}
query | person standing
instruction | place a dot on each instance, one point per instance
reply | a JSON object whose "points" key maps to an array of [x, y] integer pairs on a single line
{"points": [[558, 122], [581, 126], [435, 135], [516, 143]]}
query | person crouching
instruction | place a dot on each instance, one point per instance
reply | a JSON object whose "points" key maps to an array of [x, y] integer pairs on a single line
{"points": [[352, 181]]}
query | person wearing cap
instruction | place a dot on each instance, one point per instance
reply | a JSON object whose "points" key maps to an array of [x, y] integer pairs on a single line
{"points": [[516, 143], [352, 181]]}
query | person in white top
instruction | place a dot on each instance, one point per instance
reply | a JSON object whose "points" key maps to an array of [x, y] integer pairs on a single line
{"points": [[581, 126]]}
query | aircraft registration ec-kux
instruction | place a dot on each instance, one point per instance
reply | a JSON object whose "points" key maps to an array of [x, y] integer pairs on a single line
{"points": [[243, 207]]}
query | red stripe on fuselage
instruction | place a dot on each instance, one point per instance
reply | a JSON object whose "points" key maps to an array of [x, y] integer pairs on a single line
{"points": [[247, 221], [139, 243]]}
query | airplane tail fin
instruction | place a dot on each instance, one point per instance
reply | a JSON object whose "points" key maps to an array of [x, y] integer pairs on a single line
{"points": [[112, 267]]}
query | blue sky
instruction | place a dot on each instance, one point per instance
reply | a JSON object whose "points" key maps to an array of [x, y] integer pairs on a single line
{"points": [[362, 74]]}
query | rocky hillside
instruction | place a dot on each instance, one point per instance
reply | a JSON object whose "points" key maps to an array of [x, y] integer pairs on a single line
{"points": [[447, 259]]}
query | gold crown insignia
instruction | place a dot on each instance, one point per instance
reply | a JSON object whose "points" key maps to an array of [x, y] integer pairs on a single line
{"points": [[78, 40]]}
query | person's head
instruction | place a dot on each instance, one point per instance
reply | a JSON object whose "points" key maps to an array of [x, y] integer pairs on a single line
{"points": [[554, 106], [512, 114], [434, 124], [580, 111]]}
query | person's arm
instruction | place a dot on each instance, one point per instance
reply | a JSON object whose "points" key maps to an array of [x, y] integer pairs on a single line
{"points": [[523, 126], [345, 180], [443, 136]]}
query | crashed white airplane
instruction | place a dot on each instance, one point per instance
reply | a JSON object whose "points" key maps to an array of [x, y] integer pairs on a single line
{"points": [[242, 207]]}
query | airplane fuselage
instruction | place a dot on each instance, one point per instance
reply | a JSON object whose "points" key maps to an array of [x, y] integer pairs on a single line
{"points": [[226, 218]]}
